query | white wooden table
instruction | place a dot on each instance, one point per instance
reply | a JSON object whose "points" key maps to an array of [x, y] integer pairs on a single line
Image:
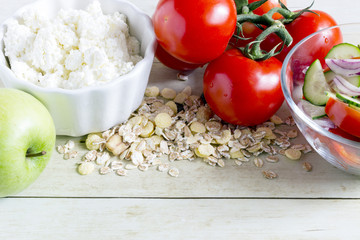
{"points": [[204, 202]]}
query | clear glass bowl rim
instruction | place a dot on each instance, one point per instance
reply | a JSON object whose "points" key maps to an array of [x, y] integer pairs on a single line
{"points": [[294, 106]]}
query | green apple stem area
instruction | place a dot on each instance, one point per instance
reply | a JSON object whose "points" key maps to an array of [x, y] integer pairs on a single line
{"points": [[27, 140], [30, 155]]}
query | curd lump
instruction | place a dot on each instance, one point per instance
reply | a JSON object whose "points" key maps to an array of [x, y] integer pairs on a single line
{"points": [[76, 49]]}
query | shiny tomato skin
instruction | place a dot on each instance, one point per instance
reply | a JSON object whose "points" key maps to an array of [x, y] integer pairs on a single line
{"points": [[343, 116], [306, 24], [344, 134], [172, 62], [194, 31], [242, 91], [270, 4], [315, 48]]}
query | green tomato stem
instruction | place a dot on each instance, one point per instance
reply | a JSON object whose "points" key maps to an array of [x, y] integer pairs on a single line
{"points": [[267, 24]]}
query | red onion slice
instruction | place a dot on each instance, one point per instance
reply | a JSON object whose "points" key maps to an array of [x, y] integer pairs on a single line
{"points": [[324, 122], [345, 67], [345, 87]]}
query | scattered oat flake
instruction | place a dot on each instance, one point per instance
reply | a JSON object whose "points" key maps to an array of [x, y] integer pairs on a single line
{"points": [[272, 159], [121, 172], [143, 167], [105, 170], [237, 162], [163, 167], [174, 172], [292, 133], [69, 144], [176, 126], [221, 163], [60, 149], [116, 165], [258, 162], [307, 166], [293, 154], [269, 174], [276, 120], [86, 168]]}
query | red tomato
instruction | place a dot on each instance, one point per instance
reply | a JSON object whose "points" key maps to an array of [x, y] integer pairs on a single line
{"points": [[243, 91], [343, 116], [344, 134], [306, 24], [270, 4], [249, 29], [174, 63], [194, 31]]}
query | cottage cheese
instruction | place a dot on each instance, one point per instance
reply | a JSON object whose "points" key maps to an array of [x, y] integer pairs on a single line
{"points": [[76, 49]]}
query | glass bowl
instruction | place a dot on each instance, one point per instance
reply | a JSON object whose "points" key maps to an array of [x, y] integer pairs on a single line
{"points": [[338, 151]]}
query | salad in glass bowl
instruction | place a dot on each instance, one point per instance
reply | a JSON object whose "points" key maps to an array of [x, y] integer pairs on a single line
{"points": [[324, 96]]}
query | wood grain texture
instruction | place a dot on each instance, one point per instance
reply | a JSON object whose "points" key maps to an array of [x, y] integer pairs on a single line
{"points": [[204, 202], [94, 219], [197, 179]]}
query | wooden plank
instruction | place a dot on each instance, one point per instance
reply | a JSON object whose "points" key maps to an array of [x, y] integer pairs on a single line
{"points": [[178, 219], [198, 179]]}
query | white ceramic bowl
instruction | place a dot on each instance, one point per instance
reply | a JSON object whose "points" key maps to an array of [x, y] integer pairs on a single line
{"points": [[96, 108]]}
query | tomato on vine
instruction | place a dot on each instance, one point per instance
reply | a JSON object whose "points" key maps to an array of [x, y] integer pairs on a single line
{"points": [[304, 25], [267, 6], [243, 91], [194, 31]]}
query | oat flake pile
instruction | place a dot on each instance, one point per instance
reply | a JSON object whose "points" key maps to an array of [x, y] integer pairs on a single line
{"points": [[171, 126]]}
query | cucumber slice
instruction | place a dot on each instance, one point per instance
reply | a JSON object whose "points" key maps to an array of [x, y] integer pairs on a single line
{"points": [[343, 51], [313, 111], [315, 85], [349, 100], [329, 76]]}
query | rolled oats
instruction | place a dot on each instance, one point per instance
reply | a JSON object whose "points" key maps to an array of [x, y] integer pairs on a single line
{"points": [[86, 168], [121, 172], [293, 154], [163, 120], [197, 127], [269, 174], [174, 172], [104, 170], [102, 157], [258, 162], [221, 163], [307, 166], [187, 90], [276, 120], [272, 159], [152, 91], [292, 133], [180, 98], [93, 141], [204, 150], [115, 165], [180, 126], [168, 93]]}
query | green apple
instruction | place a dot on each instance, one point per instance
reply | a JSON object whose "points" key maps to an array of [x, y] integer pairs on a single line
{"points": [[27, 140]]}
